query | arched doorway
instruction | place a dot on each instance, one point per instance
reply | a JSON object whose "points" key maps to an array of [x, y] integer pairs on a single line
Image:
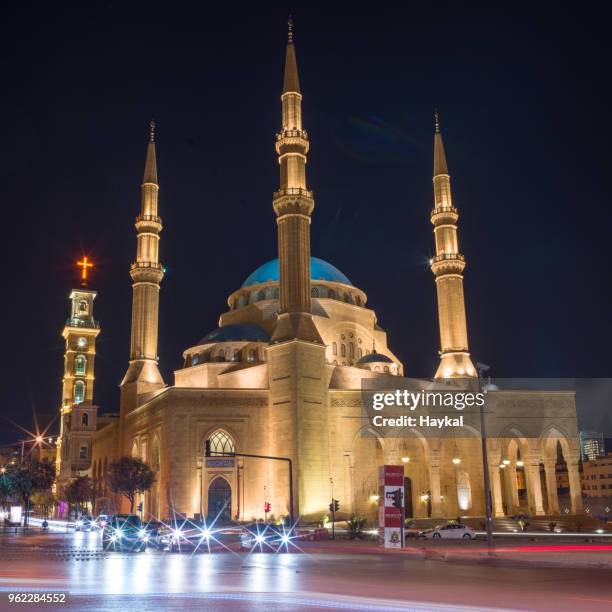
{"points": [[220, 500]]}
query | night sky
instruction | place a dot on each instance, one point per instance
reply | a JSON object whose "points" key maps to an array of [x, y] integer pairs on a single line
{"points": [[524, 97]]}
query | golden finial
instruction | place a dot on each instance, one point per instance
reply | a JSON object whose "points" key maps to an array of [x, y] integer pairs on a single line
{"points": [[290, 30], [437, 120], [152, 130]]}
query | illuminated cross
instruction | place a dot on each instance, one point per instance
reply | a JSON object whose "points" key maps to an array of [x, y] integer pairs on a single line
{"points": [[84, 264]]}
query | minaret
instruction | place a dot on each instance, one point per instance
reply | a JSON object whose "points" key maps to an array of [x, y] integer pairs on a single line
{"points": [[448, 265], [293, 204], [146, 273], [77, 411], [298, 375]]}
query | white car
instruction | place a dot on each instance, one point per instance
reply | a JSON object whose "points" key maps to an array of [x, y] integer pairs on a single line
{"points": [[450, 530]]}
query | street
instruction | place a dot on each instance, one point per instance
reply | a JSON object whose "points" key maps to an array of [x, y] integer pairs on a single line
{"points": [[154, 580]]}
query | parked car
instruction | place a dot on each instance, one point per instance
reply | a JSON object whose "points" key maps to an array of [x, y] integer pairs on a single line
{"points": [[85, 523], [449, 530], [124, 532], [265, 537]]}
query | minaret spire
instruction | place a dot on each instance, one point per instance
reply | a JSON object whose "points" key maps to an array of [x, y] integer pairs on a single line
{"points": [[147, 274], [293, 204], [448, 265]]}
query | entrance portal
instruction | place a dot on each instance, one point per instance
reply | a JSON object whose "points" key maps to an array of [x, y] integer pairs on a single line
{"points": [[220, 500]]}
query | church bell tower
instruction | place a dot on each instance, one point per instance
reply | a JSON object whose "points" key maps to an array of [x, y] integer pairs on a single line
{"points": [[77, 411], [447, 266]]}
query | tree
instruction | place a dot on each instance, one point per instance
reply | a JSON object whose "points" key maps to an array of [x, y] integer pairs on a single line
{"points": [[80, 491], [7, 488], [130, 476], [29, 478]]}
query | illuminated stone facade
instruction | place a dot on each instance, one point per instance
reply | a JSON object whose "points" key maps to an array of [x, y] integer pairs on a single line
{"points": [[282, 375]]}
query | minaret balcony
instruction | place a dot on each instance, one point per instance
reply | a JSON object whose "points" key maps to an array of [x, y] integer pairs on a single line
{"points": [[292, 141], [293, 200], [447, 263], [146, 271], [444, 214], [148, 223]]}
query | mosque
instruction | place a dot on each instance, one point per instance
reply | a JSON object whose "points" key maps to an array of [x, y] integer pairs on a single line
{"points": [[282, 376]]}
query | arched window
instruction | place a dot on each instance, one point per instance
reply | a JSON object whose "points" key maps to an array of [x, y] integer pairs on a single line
{"points": [[333, 294], [237, 355], [334, 348], [252, 355], [221, 442], [343, 350], [195, 359], [79, 392], [314, 292], [276, 293], [351, 350], [221, 356], [85, 420], [347, 298], [359, 353], [358, 300], [80, 365], [241, 301], [261, 295], [387, 369]]}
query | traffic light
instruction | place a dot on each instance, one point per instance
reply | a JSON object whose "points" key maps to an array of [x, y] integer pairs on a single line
{"points": [[140, 507], [267, 507], [334, 506], [207, 448]]}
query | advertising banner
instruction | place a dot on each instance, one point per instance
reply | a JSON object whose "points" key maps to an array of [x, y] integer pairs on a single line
{"points": [[391, 506]]}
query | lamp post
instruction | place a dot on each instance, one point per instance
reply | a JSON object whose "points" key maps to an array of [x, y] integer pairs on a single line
{"points": [[481, 367]]}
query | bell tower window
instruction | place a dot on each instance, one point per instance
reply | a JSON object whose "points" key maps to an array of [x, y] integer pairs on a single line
{"points": [[85, 420], [79, 392], [80, 365]]}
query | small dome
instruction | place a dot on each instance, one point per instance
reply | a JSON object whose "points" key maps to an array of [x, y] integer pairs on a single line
{"points": [[239, 333], [319, 270], [375, 358]]}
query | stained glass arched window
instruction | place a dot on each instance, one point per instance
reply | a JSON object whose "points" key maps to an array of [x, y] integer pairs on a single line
{"points": [[221, 442]]}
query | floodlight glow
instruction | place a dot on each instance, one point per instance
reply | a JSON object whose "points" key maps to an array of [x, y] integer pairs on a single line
{"points": [[143, 534], [260, 539], [206, 533], [176, 534], [113, 538], [519, 463], [79, 523], [118, 533], [285, 539]]}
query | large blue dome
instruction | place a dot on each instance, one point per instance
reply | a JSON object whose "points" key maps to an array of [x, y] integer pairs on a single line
{"points": [[319, 270], [246, 332]]}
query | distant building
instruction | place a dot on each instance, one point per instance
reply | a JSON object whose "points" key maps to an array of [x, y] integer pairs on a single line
{"points": [[591, 445], [597, 477]]}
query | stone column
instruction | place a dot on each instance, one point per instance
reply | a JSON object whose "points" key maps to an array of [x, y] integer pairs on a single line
{"points": [[512, 488], [574, 484], [349, 497], [534, 487], [550, 469], [434, 484], [496, 490]]}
